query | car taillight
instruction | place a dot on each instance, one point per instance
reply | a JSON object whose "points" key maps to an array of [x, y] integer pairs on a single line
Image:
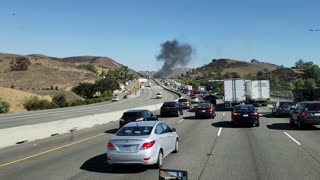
{"points": [[280, 108], [254, 113], [236, 114], [147, 145], [210, 109], [110, 146], [303, 114]]}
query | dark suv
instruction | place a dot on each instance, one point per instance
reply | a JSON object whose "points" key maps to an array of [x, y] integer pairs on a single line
{"points": [[282, 108], [137, 115], [171, 108], [307, 112], [184, 103]]}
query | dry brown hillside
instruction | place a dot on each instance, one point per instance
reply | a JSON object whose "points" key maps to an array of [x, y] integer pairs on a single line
{"points": [[16, 98], [47, 71], [229, 65]]}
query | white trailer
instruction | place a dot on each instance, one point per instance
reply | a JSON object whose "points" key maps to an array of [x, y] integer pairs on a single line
{"points": [[189, 87], [234, 92], [258, 92]]}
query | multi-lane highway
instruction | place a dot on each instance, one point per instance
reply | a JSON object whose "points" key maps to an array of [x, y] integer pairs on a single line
{"points": [[209, 149], [147, 97]]}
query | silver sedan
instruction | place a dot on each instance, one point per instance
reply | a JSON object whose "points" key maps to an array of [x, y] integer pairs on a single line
{"points": [[144, 142]]}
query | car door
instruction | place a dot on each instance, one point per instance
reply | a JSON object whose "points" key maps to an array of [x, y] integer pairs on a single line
{"points": [[169, 137], [161, 137]]}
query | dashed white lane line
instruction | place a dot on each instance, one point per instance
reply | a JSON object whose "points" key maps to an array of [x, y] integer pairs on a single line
{"points": [[292, 138], [219, 132], [180, 120]]}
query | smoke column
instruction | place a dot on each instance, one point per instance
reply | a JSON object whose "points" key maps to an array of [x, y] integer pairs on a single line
{"points": [[173, 54]]}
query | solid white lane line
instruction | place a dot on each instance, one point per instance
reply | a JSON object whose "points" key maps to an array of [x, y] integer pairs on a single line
{"points": [[292, 138], [180, 120], [219, 132]]}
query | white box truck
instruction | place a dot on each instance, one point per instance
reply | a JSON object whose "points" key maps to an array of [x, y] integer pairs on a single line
{"points": [[234, 92], [258, 92]]}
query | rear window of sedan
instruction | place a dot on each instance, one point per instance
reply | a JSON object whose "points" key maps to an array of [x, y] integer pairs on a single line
{"points": [[183, 100], [135, 131], [169, 104], [313, 107], [131, 115], [204, 105], [286, 103], [194, 97], [244, 108]]}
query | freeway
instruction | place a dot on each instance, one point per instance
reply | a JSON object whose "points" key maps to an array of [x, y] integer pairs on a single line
{"points": [[147, 97], [209, 149]]}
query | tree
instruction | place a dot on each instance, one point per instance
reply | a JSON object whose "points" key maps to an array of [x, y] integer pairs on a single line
{"points": [[227, 75], [299, 63], [312, 72], [260, 75], [60, 100], [4, 106], [299, 84], [106, 84], [310, 84], [20, 64], [248, 76], [85, 90]]}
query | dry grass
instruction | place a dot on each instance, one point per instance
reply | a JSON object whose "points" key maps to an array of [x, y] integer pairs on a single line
{"points": [[16, 98]]}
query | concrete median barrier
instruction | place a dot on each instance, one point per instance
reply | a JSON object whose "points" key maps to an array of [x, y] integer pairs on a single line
{"points": [[21, 134]]}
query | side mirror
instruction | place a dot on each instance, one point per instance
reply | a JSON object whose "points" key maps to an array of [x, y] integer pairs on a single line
{"points": [[174, 130], [172, 174]]}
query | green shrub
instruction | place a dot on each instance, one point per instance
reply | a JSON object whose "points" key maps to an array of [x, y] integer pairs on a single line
{"points": [[34, 103], [12, 86], [51, 87], [56, 88], [77, 102], [4, 106], [20, 64], [60, 100]]}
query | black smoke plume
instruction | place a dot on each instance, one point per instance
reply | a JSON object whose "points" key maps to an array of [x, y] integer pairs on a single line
{"points": [[173, 54]]}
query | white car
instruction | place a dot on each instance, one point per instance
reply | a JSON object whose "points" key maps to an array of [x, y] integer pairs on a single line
{"points": [[195, 99], [159, 95], [115, 98], [143, 142]]}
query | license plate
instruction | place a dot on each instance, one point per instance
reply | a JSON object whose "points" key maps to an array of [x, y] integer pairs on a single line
{"points": [[127, 148], [317, 114], [203, 110], [245, 115]]}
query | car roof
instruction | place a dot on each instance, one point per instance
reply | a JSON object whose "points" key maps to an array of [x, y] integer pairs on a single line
{"points": [[142, 123], [240, 105], [137, 110], [310, 102]]}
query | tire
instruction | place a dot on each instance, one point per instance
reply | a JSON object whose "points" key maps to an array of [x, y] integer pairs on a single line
{"points": [[258, 124], [176, 149], [159, 163], [232, 124]]}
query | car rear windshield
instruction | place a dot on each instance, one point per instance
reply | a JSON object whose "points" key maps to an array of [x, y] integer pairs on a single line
{"points": [[287, 103], [169, 104], [313, 107], [244, 108], [194, 97], [131, 115], [135, 131], [204, 105], [183, 100], [158, 94]]}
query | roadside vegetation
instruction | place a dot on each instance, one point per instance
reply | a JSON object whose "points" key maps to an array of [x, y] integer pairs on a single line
{"points": [[4, 106]]}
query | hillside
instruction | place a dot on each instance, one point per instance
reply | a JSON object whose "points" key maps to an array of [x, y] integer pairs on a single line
{"points": [[223, 66], [16, 101], [46, 71]]}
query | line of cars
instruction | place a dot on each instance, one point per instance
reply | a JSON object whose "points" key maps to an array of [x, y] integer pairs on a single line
{"points": [[300, 114]]}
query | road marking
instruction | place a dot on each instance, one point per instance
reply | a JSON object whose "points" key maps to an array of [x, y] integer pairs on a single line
{"points": [[50, 150], [292, 138], [219, 132], [180, 120]]}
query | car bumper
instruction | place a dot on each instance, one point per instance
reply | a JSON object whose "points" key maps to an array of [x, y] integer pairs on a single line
{"points": [[167, 113], [115, 157], [245, 120], [203, 114], [311, 122]]}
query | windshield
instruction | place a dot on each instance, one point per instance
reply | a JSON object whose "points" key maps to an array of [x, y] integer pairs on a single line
{"points": [[287, 103], [183, 100], [169, 104], [135, 131], [313, 107]]}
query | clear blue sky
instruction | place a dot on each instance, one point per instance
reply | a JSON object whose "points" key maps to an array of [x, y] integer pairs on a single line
{"points": [[131, 31]]}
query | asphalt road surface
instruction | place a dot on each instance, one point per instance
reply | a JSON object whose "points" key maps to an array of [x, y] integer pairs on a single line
{"points": [[147, 97], [209, 149]]}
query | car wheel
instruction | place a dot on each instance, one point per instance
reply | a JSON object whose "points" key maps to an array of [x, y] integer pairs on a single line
{"points": [[232, 124], [291, 121], [176, 149], [257, 124], [160, 160]]}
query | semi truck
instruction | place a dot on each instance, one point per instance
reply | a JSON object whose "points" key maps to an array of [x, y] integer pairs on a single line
{"points": [[258, 92], [234, 92]]}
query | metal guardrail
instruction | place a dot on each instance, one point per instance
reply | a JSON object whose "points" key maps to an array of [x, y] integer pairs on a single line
{"points": [[282, 94], [175, 92]]}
